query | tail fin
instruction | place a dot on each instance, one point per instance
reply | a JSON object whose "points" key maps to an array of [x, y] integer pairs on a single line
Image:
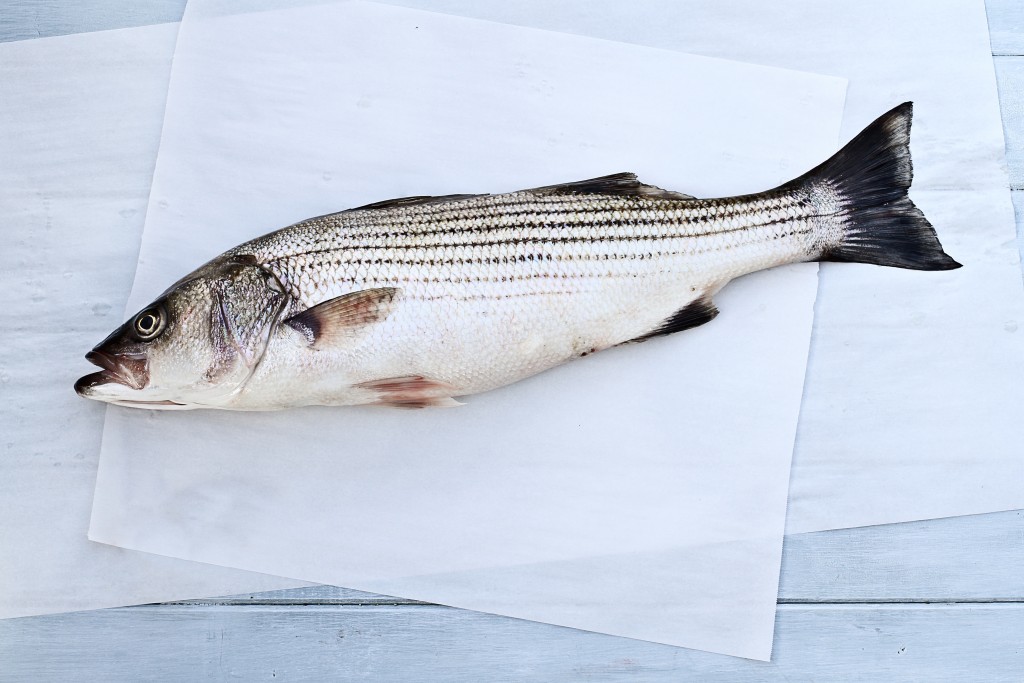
{"points": [[869, 178]]}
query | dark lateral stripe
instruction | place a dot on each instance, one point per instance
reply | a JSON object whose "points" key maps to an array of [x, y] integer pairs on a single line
{"points": [[539, 241], [508, 295], [394, 228], [607, 222], [532, 257], [401, 280], [481, 297], [497, 277]]}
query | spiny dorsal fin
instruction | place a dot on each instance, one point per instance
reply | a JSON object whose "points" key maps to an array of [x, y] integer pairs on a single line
{"points": [[624, 184], [340, 318], [414, 201], [693, 314]]}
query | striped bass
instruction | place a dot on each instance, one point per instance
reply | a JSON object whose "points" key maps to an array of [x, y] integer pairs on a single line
{"points": [[413, 302]]}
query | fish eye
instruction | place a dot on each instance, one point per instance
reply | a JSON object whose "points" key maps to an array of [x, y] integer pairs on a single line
{"points": [[149, 323]]}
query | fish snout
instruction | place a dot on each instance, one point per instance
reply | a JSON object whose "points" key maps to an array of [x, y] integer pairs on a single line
{"points": [[127, 370]]}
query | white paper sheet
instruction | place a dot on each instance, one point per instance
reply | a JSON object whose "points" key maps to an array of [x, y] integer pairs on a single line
{"points": [[275, 116], [80, 117], [915, 381]]}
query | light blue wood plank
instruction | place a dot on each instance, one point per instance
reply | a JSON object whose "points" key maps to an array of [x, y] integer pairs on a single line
{"points": [[1018, 209], [1010, 76], [962, 558], [421, 643], [1006, 26], [976, 558], [26, 19]]}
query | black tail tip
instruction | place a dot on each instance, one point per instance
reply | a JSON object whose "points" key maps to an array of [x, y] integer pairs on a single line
{"points": [[870, 177], [903, 110], [941, 261]]}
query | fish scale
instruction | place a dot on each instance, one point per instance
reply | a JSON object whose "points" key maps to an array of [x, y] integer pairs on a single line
{"points": [[472, 241], [412, 302]]}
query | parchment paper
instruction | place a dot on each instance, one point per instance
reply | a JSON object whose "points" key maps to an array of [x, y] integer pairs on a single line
{"points": [[616, 465], [915, 381], [80, 117]]}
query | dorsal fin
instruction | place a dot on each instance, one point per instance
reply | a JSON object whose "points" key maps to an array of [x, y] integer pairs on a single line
{"points": [[624, 184], [413, 201]]}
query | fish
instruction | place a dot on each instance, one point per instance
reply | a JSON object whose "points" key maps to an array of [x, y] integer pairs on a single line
{"points": [[416, 302]]}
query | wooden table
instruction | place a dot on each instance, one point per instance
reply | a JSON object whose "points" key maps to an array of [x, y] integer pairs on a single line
{"points": [[936, 600]]}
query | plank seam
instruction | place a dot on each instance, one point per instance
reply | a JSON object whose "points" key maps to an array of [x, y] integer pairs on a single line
{"points": [[294, 603], [904, 601], [414, 603]]}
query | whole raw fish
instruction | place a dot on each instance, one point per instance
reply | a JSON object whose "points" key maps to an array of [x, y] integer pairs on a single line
{"points": [[412, 302]]}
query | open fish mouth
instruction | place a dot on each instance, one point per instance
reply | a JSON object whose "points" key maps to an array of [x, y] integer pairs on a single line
{"points": [[124, 370]]}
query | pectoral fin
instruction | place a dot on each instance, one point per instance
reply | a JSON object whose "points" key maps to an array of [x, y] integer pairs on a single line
{"points": [[339, 319]]}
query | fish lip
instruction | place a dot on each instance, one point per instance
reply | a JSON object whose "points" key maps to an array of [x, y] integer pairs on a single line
{"points": [[127, 370], [130, 403], [84, 384]]}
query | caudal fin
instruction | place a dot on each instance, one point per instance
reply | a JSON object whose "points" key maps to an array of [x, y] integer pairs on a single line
{"points": [[868, 179]]}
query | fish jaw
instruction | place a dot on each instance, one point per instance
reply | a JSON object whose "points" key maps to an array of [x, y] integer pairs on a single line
{"points": [[120, 381], [118, 370]]}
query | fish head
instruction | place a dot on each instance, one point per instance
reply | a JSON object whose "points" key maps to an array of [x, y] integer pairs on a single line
{"points": [[196, 345]]}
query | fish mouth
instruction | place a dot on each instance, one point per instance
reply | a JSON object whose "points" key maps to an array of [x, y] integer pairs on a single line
{"points": [[129, 371]]}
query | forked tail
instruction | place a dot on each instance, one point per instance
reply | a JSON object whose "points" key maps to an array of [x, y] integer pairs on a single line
{"points": [[864, 187]]}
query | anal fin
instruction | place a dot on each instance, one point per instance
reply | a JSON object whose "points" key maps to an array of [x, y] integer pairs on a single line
{"points": [[693, 314], [411, 392]]}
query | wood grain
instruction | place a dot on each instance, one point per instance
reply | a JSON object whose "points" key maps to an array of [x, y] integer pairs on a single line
{"points": [[27, 19], [1018, 209], [961, 559], [1006, 26], [419, 643], [1010, 76]]}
